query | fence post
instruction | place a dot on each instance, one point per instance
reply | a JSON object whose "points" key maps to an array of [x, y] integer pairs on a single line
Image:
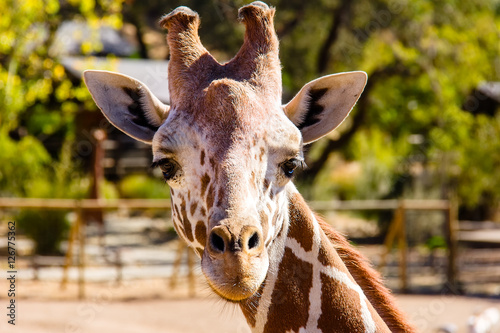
{"points": [[81, 254], [393, 231], [452, 240], [403, 246], [177, 263], [73, 235]]}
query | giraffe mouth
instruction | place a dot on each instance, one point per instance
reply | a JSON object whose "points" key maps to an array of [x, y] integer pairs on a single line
{"points": [[235, 260], [235, 277], [236, 292]]}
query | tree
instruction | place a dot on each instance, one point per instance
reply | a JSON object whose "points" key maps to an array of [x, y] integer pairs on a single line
{"points": [[38, 100], [415, 53], [422, 57]]}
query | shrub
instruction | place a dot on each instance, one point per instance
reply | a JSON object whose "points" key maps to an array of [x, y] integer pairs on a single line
{"points": [[142, 186], [47, 228]]}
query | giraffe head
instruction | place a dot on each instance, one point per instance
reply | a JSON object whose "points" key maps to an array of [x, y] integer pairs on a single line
{"points": [[226, 146]]}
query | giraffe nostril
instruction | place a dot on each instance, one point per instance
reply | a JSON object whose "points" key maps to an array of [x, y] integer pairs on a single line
{"points": [[253, 241], [217, 242]]}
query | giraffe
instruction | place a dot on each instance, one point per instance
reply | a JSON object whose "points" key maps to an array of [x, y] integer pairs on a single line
{"points": [[228, 150]]}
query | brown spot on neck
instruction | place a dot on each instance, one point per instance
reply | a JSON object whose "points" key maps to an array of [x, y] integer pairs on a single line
{"points": [[340, 307], [289, 308], [368, 279], [301, 222]]}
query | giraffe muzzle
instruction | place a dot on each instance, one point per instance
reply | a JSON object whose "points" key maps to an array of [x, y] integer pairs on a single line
{"points": [[235, 261], [248, 241]]}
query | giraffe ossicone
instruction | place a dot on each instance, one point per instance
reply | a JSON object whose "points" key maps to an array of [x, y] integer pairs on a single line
{"points": [[228, 150]]}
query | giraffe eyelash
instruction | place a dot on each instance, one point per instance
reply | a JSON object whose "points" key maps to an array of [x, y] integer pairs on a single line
{"points": [[168, 167], [156, 164], [290, 166]]}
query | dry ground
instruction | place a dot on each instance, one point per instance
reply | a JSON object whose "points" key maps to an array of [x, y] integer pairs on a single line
{"points": [[148, 306]]}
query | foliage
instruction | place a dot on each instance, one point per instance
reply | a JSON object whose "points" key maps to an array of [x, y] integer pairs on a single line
{"points": [[47, 228], [142, 186], [436, 242], [38, 101], [423, 58]]}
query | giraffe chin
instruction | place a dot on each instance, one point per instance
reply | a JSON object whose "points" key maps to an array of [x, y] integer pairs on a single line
{"points": [[236, 294], [237, 283]]}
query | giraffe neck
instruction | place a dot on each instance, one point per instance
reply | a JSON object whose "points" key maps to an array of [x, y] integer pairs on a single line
{"points": [[308, 287]]}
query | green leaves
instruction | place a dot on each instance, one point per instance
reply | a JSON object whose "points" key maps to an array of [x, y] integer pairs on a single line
{"points": [[433, 55], [37, 98]]}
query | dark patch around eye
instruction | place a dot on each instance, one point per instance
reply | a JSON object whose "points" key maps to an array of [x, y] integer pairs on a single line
{"points": [[136, 109], [289, 167], [312, 117]]}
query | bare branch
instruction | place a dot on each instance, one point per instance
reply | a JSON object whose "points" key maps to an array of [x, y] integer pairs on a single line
{"points": [[340, 18]]}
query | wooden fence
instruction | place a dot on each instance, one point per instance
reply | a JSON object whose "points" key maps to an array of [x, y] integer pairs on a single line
{"points": [[397, 229]]}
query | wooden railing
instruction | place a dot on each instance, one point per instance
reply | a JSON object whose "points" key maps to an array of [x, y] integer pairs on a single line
{"points": [[397, 229]]}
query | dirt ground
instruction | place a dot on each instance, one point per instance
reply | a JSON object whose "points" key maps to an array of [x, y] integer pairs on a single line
{"points": [[149, 306]]}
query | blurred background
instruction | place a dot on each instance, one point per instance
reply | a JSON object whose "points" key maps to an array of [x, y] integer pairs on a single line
{"points": [[426, 130]]}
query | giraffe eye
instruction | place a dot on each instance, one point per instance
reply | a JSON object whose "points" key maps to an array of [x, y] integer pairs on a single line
{"points": [[168, 167], [290, 166]]}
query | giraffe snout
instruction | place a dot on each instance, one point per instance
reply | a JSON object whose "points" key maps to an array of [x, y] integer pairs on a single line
{"points": [[223, 240], [235, 260]]}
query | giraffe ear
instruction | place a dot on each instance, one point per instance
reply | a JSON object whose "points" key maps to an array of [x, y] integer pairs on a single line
{"points": [[323, 104], [127, 103]]}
